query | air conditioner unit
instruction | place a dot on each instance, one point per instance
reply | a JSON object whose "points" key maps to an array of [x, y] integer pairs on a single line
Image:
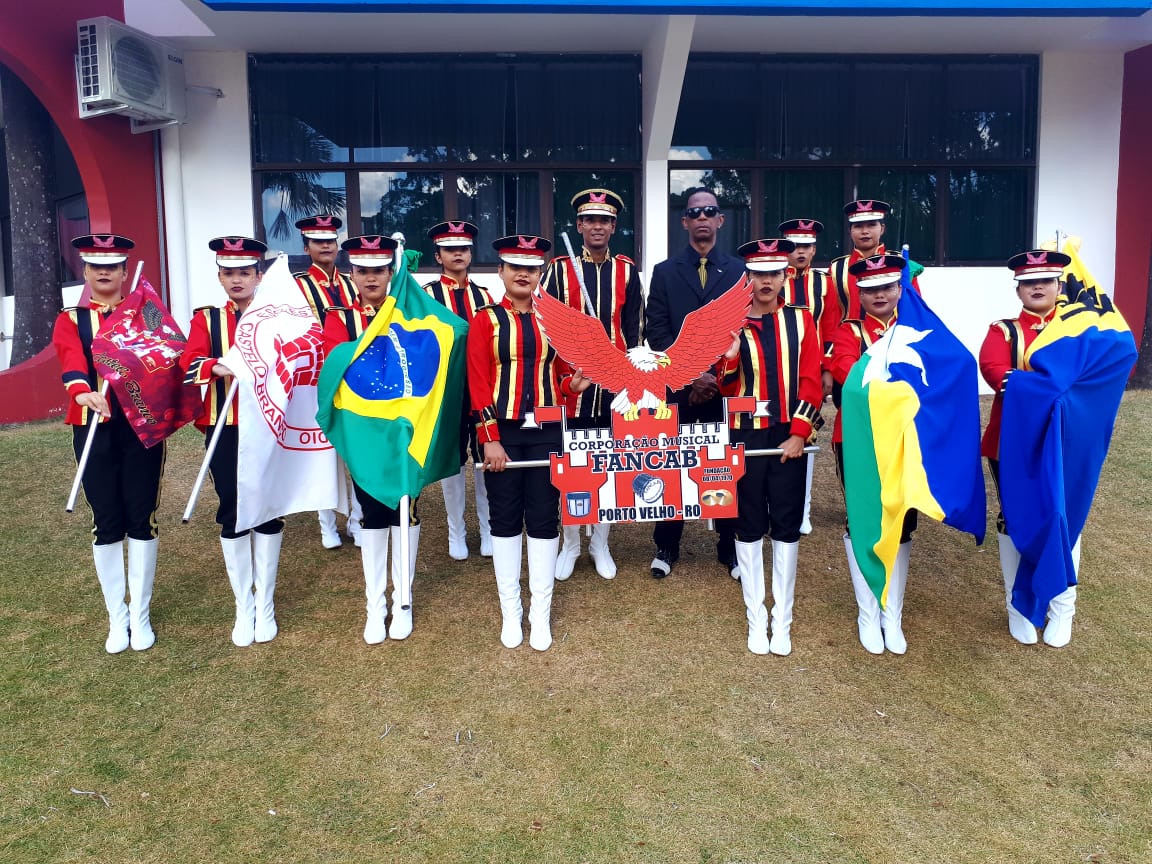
{"points": [[120, 70]]}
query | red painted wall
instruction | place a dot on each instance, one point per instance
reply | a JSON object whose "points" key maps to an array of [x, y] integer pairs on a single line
{"points": [[117, 167], [1133, 215]]}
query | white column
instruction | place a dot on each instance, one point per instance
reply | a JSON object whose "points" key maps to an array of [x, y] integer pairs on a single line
{"points": [[665, 58]]}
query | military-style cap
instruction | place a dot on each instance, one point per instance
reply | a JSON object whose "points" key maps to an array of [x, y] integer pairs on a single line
{"points": [[322, 226], [800, 230], [237, 251], [1039, 264], [527, 250], [766, 256], [370, 250], [878, 270], [866, 211], [597, 202], [453, 234], [99, 249]]}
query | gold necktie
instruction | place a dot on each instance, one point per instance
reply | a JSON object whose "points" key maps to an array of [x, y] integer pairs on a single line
{"points": [[703, 270]]}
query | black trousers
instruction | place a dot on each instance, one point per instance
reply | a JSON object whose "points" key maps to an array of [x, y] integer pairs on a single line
{"points": [[771, 493], [121, 481], [667, 535], [378, 515], [524, 499], [223, 468], [909, 517]]}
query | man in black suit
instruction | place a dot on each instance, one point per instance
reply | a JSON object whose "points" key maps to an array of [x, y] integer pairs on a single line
{"points": [[680, 285]]}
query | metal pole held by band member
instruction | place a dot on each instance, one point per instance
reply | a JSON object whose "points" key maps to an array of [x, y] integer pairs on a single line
{"points": [[221, 422], [405, 553], [544, 463], [578, 268]]}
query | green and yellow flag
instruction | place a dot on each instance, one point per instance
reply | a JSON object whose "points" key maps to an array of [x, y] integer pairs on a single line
{"points": [[390, 401]]}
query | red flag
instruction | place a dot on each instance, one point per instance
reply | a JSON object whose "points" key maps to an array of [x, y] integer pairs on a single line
{"points": [[137, 352]]}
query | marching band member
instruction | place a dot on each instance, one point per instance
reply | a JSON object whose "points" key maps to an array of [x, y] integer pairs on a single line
{"points": [[371, 258], [614, 291], [456, 291], [512, 370], [775, 357], [1038, 286], [122, 477], [808, 287], [326, 288], [877, 278], [252, 558]]}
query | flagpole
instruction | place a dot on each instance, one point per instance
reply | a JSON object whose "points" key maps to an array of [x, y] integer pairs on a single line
{"points": [[405, 585], [93, 422], [544, 463], [221, 422], [578, 268]]}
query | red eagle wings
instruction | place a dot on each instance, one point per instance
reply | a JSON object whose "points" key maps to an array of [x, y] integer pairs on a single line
{"points": [[640, 377]]}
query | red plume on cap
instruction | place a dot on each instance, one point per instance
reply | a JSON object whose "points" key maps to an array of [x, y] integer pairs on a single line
{"points": [[805, 226], [598, 199], [323, 221], [863, 206], [1041, 258], [877, 264], [365, 243], [525, 243], [236, 245], [105, 243], [456, 227], [767, 247]]}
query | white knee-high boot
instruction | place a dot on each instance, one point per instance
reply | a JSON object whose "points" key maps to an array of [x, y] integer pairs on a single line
{"points": [[750, 557], [506, 556], [454, 492], [1062, 609], [1019, 626], [784, 560], [868, 620], [238, 563], [806, 524], [402, 618], [598, 549], [569, 552], [109, 560], [891, 619], [329, 535], [482, 513], [541, 576], [374, 557], [141, 575], [265, 565]]}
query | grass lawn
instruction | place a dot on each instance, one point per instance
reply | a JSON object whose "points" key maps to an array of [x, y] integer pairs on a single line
{"points": [[648, 733]]}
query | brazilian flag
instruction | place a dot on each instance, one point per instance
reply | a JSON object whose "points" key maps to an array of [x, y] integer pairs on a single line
{"points": [[390, 401], [911, 420], [1057, 424]]}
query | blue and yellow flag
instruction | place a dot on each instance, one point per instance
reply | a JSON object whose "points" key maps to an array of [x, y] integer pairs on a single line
{"points": [[911, 420], [390, 401], [1057, 423]]}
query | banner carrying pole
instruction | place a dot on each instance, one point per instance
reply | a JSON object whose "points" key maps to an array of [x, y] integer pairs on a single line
{"points": [[221, 422], [405, 553], [93, 422], [578, 267], [544, 463]]}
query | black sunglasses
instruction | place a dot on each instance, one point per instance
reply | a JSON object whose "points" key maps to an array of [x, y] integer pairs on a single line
{"points": [[710, 211]]}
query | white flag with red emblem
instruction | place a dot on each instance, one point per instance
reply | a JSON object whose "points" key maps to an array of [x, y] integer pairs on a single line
{"points": [[285, 463]]}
